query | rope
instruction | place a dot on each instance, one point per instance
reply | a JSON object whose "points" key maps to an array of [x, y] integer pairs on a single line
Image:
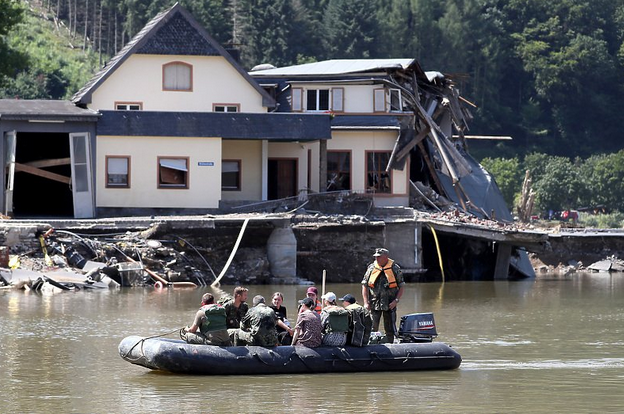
{"points": [[227, 265], [140, 341]]}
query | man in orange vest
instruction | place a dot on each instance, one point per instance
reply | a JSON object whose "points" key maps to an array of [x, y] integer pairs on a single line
{"points": [[382, 288]]}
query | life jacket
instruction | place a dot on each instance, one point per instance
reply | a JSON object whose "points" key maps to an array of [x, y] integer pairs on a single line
{"points": [[215, 318], [337, 320], [318, 308], [387, 270], [360, 325]]}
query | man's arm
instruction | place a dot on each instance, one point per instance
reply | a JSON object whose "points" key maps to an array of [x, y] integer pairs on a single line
{"points": [[365, 296], [395, 302]]}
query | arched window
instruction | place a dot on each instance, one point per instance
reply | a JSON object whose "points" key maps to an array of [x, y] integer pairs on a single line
{"points": [[177, 76]]}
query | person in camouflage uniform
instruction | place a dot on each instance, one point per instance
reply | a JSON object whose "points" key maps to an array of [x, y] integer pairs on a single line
{"points": [[236, 308], [258, 326], [208, 325], [382, 288]]}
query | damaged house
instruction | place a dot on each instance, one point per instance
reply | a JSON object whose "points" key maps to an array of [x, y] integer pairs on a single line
{"points": [[173, 124]]}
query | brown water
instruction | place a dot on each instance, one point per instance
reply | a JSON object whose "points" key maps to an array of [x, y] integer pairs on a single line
{"points": [[550, 345]]}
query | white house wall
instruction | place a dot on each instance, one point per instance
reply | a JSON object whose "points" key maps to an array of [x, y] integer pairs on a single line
{"points": [[140, 79], [249, 153], [204, 190]]}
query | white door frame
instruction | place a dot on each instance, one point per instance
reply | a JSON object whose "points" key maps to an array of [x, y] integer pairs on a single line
{"points": [[10, 142], [81, 174]]}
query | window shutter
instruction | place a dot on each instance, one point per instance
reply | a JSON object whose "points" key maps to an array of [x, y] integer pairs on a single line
{"points": [[337, 99], [379, 100], [297, 95]]}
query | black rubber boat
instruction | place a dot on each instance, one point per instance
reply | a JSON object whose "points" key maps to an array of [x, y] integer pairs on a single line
{"points": [[174, 355]]}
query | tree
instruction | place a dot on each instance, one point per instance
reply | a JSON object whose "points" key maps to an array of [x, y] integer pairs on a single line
{"points": [[11, 15], [265, 31], [350, 29], [508, 175], [558, 186]]}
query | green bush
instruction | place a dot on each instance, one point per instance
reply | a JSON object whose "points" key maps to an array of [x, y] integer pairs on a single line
{"points": [[613, 220]]}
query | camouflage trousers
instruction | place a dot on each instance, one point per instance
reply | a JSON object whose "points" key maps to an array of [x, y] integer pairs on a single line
{"points": [[242, 338], [218, 338]]}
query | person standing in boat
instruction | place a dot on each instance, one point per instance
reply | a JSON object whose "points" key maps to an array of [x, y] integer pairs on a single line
{"points": [[382, 288], [210, 321], [258, 326], [236, 308], [335, 321], [360, 321], [308, 328]]}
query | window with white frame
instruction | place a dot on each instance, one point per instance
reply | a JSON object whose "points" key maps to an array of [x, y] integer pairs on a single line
{"points": [[128, 106], [177, 76], [396, 103], [226, 107], [173, 172], [317, 99], [231, 175], [118, 171]]}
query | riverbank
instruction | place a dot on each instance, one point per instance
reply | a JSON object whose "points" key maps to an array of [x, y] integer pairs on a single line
{"points": [[196, 250]]}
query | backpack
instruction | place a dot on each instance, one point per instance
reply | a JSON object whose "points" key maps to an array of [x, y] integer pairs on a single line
{"points": [[361, 326]]}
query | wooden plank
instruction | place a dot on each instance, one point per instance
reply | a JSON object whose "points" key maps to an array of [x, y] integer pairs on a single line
{"points": [[421, 135], [49, 163], [42, 173]]}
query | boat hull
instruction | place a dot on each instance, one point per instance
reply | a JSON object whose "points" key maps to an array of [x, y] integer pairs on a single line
{"points": [[179, 357]]}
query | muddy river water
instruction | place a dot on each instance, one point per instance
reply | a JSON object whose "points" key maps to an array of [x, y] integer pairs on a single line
{"points": [[555, 344]]}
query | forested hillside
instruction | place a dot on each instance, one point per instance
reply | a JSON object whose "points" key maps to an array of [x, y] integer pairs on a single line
{"points": [[548, 73]]}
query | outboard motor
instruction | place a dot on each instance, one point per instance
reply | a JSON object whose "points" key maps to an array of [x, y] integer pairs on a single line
{"points": [[417, 327]]}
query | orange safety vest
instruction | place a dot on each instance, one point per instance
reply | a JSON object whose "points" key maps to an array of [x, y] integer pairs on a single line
{"points": [[318, 308], [392, 283]]}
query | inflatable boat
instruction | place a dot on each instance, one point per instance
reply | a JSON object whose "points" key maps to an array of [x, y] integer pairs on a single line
{"points": [[416, 351], [174, 355]]}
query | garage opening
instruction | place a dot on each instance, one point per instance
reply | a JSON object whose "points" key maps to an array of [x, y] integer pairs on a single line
{"points": [[42, 184]]}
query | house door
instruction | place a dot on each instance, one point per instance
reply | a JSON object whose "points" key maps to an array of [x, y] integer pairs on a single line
{"points": [[82, 190], [282, 178], [9, 165]]}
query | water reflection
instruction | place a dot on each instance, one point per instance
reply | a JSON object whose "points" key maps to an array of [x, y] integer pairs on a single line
{"points": [[549, 345]]}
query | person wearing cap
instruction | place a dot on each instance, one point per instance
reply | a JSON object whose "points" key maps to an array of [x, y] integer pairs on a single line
{"points": [[308, 327], [312, 293], [257, 326], [382, 288], [210, 321], [335, 321], [360, 322]]}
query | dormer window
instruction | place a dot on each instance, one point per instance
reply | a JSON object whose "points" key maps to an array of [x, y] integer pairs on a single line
{"points": [[318, 99], [177, 76]]}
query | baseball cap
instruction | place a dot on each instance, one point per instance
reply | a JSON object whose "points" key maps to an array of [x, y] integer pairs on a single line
{"points": [[312, 289], [381, 252], [348, 298], [329, 296]]}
